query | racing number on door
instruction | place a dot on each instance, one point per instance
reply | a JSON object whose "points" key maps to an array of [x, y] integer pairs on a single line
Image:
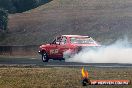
{"points": [[54, 51]]}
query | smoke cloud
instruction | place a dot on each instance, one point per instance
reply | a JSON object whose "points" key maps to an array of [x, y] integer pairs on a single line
{"points": [[119, 52]]}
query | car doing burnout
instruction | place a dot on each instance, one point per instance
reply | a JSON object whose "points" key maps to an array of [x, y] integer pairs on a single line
{"points": [[61, 44]]}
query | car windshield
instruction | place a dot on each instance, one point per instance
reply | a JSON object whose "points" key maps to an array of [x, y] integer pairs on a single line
{"points": [[82, 40]]}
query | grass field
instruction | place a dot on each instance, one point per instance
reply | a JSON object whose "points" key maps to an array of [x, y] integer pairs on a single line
{"points": [[59, 77]]}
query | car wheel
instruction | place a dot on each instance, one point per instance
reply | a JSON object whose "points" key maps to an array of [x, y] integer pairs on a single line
{"points": [[45, 57]]}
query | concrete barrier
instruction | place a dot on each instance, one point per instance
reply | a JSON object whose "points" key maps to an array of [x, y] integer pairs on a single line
{"points": [[27, 50]]}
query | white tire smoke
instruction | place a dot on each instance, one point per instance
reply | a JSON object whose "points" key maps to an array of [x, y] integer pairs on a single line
{"points": [[120, 52]]}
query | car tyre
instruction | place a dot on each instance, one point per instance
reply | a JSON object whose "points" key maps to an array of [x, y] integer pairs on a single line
{"points": [[45, 57]]}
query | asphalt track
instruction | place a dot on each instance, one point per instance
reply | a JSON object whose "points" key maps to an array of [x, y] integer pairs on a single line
{"points": [[35, 62]]}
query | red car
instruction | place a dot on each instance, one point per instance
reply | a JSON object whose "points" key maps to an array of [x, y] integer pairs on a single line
{"points": [[64, 43]]}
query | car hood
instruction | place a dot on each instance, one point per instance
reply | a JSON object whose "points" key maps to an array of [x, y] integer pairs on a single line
{"points": [[42, 46]]}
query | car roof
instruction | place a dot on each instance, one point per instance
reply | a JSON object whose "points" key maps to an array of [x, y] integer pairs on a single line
{"points": [[74, 36]]}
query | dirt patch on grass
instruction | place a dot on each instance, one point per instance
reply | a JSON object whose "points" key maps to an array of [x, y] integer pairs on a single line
{"points": [[58, 77]]}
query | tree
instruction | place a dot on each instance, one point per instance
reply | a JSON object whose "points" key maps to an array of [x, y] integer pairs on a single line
{"points": [[3, 19], [24, 5], [14, 6], [8, 5]]}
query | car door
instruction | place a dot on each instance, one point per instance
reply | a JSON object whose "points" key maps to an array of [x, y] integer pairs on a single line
{"points": [[63, 46], [54, 48], [58, 47]]}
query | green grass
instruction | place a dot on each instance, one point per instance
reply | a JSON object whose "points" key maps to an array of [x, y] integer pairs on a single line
{"points": [[59, 77]]}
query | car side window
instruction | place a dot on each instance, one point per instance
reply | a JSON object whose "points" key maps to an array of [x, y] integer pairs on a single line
{"points": [[63, 40], [54, 41], [57, 40]]}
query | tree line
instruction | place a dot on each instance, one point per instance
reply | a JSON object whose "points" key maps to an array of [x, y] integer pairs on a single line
{"points": [[3, 19], [14, 6]]}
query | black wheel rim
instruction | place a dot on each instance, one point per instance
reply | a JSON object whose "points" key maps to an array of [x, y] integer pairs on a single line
{"points": [[44, 57]]}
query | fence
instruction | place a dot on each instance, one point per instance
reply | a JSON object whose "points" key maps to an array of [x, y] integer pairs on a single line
{"points": [[19, 50]]}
